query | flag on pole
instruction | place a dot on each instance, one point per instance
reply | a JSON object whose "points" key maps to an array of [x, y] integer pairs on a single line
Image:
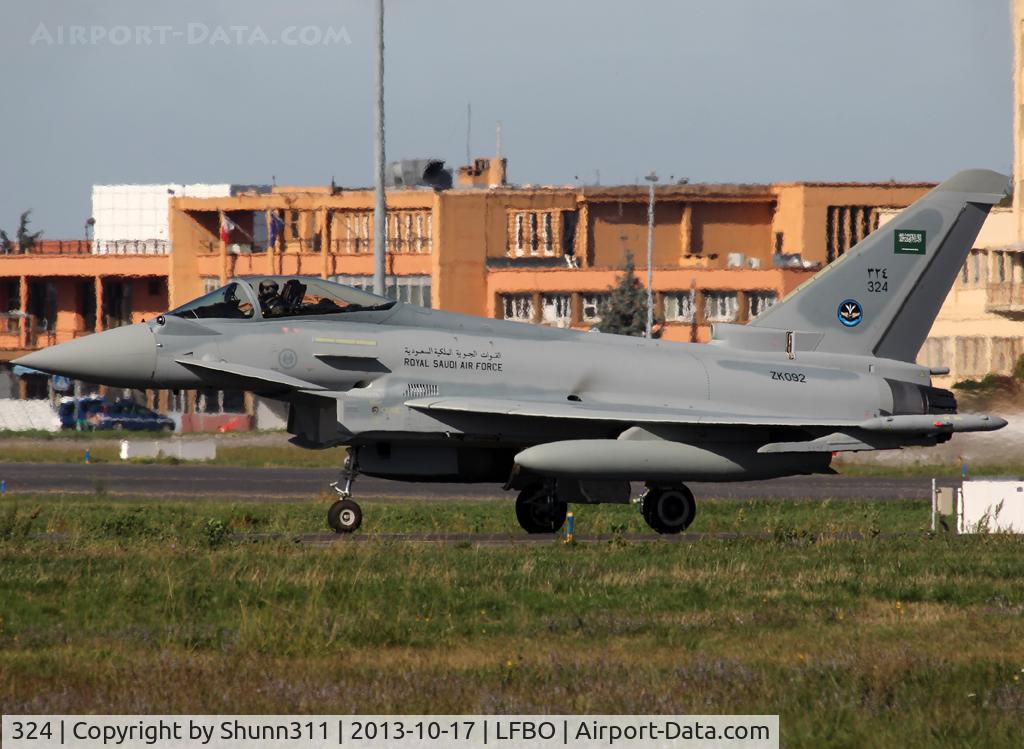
{"points": [[275, 227], [226, 227]]}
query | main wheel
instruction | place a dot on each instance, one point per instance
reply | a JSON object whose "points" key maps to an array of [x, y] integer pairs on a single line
{"points": [[669, 509], [538, 511], [344, 516]]}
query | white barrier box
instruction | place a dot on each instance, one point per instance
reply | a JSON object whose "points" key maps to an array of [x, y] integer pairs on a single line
{"points": [[131, 450], [173, 448], [991, 507]]}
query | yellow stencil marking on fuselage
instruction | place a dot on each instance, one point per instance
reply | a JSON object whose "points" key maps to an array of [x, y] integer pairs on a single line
{"points": [[347, 341]]}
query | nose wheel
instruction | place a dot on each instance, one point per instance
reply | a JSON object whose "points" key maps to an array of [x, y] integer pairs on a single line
{"points": [[345, 515]]}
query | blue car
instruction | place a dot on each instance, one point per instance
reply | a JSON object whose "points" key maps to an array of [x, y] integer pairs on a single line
{"points": [[124, 413]]}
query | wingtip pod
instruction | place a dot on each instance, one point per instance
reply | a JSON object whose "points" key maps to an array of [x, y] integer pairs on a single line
{"points": [[982, 185], [934, 422]]}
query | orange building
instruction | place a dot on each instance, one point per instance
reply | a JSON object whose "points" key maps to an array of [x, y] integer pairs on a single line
{"points": [[485, 247], [60, 290], [539, 254]]}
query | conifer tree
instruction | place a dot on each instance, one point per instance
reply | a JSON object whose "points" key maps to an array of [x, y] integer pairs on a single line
{"points": [[625, 310]]}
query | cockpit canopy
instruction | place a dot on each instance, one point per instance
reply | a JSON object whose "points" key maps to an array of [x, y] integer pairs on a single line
{"points": [[267, 297]]}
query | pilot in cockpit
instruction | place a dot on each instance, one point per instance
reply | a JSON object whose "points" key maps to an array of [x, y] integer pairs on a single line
{"points": [[271, 302]]}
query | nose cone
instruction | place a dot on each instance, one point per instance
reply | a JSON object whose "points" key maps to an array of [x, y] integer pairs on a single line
{"points": [[125, 357]]}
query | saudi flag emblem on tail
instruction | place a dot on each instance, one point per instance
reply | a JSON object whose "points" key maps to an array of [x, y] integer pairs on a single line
{"points": [[908, 242]]}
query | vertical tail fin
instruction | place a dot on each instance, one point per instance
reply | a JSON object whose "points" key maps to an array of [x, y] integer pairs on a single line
{"points": [[882, 296]]}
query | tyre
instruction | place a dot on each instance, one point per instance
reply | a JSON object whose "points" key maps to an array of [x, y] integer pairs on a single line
{"points": [[669, 509], [344, 516], [538, 512]]}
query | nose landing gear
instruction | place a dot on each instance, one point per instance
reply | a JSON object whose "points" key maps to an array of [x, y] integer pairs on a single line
{"points": [[345, 515]]}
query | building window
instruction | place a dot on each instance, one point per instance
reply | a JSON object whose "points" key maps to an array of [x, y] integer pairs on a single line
{"points": [[177, 401], [974, 274], [979, 267], [935, 353], [210, 401], [569, 221], [759, 301], [1005, 352], [409, 232], [232, 401], [532, 234], [679, 306], [591, 307], [556, 310], [423, 237], [363, 283], [354, 235], [846, 225], [720, 306], [410, 289], [971, 356], [210, 283], [518, 307]]}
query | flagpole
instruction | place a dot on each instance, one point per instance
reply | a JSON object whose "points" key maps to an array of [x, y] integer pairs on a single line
{"points": [[222, 235], [380, 227]]}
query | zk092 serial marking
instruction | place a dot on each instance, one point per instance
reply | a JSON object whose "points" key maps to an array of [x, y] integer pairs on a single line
{"points": [[788, 376]]}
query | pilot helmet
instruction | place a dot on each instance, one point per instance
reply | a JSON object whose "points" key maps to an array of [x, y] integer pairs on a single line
{"points": [[267, 288]]}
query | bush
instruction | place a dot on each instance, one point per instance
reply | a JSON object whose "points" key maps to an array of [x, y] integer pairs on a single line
{"points": [[216, 532], [15, 526], [126, 524], [990, 383], [1018, 368]]}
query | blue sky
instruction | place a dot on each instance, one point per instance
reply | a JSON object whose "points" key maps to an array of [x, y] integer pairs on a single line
{"points": [[725, 90]]}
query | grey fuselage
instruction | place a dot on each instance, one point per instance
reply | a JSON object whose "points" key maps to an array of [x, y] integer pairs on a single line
{"points": [[370, 364]]}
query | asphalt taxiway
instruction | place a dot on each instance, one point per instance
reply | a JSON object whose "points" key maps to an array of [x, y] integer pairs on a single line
{"points": [[186, 482]]}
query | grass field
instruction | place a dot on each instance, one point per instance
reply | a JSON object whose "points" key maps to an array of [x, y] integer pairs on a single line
{"points": [[893, 640]]}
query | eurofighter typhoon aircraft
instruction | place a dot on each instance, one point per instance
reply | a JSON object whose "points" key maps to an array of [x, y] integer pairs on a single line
{"points": [[564, 416]]}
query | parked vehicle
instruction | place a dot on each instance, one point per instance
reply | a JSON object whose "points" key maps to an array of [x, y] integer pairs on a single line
{"points": [[100, 413], [88, 406]]}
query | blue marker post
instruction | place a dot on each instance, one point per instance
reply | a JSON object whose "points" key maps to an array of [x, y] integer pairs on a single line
{"points": [[963, 471], [3, 487], [88, 456], [570, 523]]}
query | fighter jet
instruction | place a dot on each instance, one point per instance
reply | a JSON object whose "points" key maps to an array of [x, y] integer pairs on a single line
{"points": [[564, 416]]}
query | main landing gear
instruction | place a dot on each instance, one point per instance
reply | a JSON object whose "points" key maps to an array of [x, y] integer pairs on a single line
{"points": [[345, 515], [539, 510], [668, 508]]}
